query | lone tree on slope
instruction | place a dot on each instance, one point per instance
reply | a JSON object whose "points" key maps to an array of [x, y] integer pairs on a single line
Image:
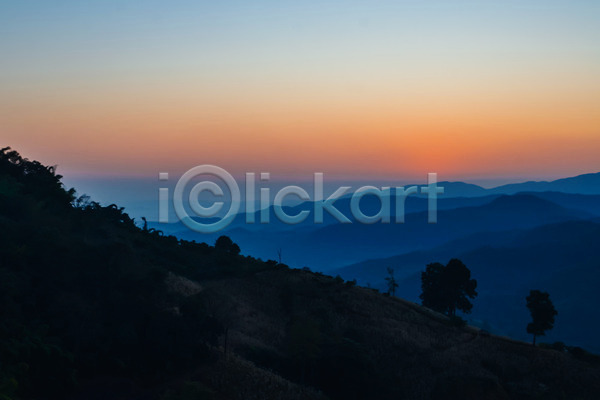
{"points": [[542, 313], [391, 282], [448, 288]]}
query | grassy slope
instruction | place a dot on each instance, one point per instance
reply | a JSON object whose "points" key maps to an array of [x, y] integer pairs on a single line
{"points": [[415, 353]]}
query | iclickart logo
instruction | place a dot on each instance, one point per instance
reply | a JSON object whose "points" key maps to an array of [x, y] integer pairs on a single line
{"points": [[320, 204]]}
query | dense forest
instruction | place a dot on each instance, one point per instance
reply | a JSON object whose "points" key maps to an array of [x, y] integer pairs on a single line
{"points": [[95, 305]]}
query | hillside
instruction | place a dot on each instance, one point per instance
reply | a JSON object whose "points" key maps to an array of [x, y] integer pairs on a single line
{"points": [[558, 257], [95, 306]]}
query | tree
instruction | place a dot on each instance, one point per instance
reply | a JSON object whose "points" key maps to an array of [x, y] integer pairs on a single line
{"points": [[391, 282], [226, 245], [448, 288], [542, 313], [432, 288]]}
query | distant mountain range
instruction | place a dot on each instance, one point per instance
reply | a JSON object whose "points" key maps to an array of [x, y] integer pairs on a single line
{"points": [[335, 245], [581, 184]]}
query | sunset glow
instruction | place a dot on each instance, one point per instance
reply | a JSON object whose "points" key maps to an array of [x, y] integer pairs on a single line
{"points": [[358, 90]]}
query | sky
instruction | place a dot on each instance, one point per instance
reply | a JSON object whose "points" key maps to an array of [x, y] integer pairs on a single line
{"points": [[472, 90]]}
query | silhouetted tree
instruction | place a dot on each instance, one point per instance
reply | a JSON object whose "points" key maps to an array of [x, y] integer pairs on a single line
{"points": [[447, 289], [391, 282], [226, 245], [432, 289], [542, 313]]}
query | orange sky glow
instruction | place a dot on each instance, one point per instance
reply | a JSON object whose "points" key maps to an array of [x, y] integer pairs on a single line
{"points": [[465, 102]]}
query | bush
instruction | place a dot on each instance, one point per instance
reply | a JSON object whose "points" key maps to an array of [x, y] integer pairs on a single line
{"points": [[583, 355], [457, 321], [558, 346]]}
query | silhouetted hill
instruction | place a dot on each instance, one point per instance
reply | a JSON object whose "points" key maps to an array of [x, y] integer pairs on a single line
{"points": [[581, 184], [460, 189], [94, 306], [581, 202]]}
